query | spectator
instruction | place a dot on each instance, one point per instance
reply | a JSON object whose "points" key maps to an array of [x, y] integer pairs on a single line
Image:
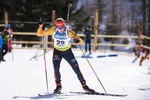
{"points": [[144, 55], [5, 37], [10, 38], [88, 32]]}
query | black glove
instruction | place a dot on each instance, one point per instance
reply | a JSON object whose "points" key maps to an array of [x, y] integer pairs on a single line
{"points": [[76, 40], [40, 21]]}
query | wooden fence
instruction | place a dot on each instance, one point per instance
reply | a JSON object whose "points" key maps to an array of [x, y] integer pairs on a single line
{"points": [[81, 35]]}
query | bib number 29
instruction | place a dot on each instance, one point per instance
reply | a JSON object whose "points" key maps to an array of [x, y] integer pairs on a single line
{"points": [[60, 42]]}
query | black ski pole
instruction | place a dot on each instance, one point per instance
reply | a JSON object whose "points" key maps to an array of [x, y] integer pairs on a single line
{"points": [[92, 69], [41, 22], [69, 6]]}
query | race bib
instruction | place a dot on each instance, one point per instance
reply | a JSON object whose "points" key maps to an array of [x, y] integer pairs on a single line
{"points": [[62, 40]]}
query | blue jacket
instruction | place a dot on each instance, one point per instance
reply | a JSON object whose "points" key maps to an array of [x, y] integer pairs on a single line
{"points": [[88, 34], [1, 42]]}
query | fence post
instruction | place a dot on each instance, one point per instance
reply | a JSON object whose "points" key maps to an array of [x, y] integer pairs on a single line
{"points": [[53, 18], [95, 31], [46, 37], [53, 25], [139, 39], [6, 19]]}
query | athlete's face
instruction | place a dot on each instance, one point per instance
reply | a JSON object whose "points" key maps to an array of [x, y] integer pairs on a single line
{"points": [[60, 30]]}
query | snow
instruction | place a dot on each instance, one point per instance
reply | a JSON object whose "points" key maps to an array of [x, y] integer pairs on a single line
{"points": [[24, 79]]}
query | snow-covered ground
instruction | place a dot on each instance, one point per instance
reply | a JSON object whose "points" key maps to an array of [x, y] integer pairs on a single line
{"points": [[23, 79]]}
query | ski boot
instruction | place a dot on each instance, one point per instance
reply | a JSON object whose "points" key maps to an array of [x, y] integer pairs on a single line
{"points": [[58, 87], [87, 89]]}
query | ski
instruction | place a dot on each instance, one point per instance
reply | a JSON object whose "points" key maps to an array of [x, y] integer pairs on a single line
{"points": [[86, 93], [103, 94], [49, 94]]}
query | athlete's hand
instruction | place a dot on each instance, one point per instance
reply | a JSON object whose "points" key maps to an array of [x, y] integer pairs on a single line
{"points": [[76, 40]]}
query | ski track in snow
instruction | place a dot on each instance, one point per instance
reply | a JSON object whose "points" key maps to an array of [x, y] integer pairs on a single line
{"points": [[24, 79]]}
